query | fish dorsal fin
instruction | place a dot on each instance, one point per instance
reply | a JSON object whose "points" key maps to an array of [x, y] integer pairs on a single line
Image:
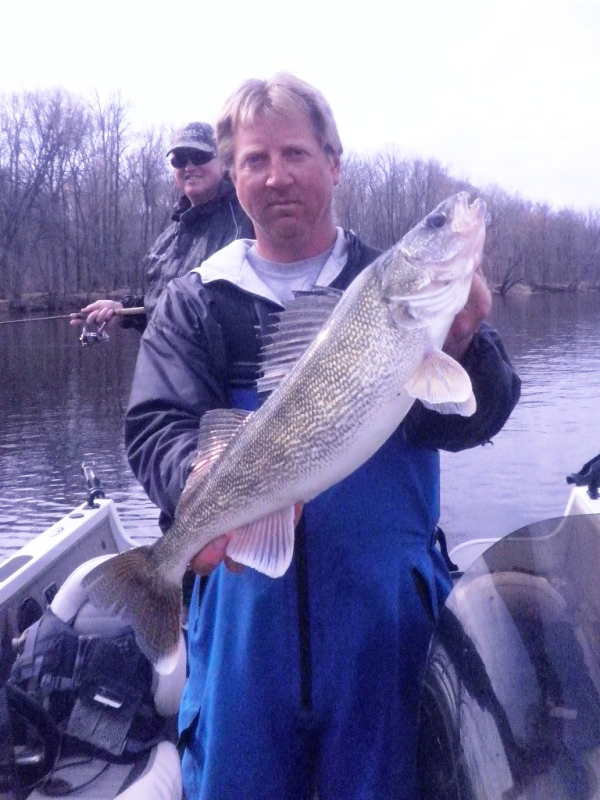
{"points": [[217, 427], [441, 384], [266, 545], [292, 331]]}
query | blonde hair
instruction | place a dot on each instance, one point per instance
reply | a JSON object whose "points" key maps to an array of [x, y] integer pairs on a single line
{"points": [[281, 95]]}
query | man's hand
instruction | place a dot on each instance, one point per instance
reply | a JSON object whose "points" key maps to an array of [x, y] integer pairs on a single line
{"points": [[98, 312], [470, 318], [211, 556]]}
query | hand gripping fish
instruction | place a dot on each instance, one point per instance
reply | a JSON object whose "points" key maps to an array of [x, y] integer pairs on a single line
{"points": [[336, 399]]}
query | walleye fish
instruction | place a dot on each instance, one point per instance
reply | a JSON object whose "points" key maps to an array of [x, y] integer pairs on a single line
{"points": [[336, 399]]}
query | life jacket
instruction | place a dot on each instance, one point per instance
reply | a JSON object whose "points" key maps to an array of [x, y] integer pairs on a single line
{"points": [[95, 688]]}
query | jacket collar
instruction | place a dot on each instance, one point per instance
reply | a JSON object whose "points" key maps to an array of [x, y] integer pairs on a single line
{"points": [[185, 212], [230, 264]]}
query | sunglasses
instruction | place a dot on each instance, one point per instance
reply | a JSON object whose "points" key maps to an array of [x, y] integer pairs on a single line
{"points": [[180, 158]]}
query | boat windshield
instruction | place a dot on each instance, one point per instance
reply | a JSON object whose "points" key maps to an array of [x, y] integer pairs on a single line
{"points": [[510, 706]]}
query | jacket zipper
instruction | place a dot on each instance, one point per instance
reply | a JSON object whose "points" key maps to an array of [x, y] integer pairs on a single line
{"points": [[262, 313], [303, 615]]}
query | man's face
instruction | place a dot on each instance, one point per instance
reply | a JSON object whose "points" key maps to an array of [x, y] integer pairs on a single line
{"points": [[198, 182], [285, 181]]}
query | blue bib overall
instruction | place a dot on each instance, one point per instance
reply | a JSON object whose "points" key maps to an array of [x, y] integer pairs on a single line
{"points": [[311, 681]]}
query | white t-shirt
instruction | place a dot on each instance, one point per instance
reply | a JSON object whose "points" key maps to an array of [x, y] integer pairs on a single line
{"points": [[285, 279]]}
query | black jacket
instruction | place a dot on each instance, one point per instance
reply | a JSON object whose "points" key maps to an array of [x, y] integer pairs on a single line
{"points": [[195, 233]]}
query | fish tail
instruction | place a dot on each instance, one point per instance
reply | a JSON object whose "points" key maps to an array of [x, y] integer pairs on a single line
{"points": [[131, 584]]}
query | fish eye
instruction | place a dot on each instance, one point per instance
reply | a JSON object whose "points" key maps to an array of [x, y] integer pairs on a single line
{"points": [[436, 220]]}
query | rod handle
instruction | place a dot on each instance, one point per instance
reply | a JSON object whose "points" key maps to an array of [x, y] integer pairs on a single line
{"points": [[119, 312]]}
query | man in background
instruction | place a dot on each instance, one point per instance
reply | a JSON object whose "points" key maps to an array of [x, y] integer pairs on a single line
{"points": [[207, 217]]}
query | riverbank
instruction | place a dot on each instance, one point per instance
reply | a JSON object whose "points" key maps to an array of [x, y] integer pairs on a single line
{"points": [[525, 289], [43, 303]]}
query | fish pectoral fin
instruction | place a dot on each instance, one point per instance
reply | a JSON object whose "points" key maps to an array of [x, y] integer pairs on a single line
{"points": [[266, 545], [441, 384]]}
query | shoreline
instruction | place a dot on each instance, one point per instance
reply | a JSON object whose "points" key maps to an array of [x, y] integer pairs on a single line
{"points": [[43, 303]]}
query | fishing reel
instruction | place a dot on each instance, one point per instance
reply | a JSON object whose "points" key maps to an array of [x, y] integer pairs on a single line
{"points": [[93, 337]]}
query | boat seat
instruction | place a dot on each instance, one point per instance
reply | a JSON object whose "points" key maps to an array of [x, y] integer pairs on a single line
{"points": [[156, 773]]}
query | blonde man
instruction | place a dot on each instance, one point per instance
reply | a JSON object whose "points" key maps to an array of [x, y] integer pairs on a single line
{"points": [[308, 682]]}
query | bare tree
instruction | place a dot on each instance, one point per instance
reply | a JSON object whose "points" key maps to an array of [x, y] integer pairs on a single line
{"points": [[32, 136], [148, 202]]}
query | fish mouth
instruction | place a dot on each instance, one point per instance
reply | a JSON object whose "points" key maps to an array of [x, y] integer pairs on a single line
{"points": [[465, 217]]}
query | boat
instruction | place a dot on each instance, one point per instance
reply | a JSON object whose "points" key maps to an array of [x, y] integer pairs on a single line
{"points": [[30, 579], [40, 582], [474, 734], [510, 703]]}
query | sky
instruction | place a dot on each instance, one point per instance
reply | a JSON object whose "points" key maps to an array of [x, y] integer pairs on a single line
{"points": [[499, 93]]}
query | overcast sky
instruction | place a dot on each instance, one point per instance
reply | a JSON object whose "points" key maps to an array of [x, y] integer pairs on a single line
{"points": [[505, 93]]}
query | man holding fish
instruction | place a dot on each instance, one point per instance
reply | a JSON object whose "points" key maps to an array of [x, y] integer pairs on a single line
{"points": [[305, 664]]}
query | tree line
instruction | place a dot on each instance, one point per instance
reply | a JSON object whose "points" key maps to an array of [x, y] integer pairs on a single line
{"points": [[83, 195], [527, 243]]}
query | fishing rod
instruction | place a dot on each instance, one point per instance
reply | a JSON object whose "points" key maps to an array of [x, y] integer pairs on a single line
{"points": [[87, 337], [119, 312]]}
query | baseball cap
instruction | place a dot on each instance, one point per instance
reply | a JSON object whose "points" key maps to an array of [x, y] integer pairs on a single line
{"points": [[198, 136]]}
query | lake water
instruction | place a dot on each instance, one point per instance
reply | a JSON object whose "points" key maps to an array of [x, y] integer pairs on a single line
{"points": [[61, 404], [554, 343]]}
